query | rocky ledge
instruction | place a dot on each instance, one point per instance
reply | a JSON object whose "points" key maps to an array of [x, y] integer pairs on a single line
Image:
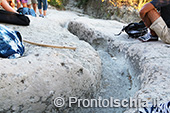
{"points": [[102, 65], [32, 82], [147, 64]]}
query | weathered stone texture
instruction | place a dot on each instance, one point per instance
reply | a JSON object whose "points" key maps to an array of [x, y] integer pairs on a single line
{"points": [[149, 61], [32, 82]]}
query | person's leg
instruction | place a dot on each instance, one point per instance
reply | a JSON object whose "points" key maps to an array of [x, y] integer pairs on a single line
{"points": [[40, 6], [40, 11], [34, 5], [24, 4], [154, 21], [29, 4], [161, 29], [45, 5], [45, 12], [18, 4], [151, 17]]}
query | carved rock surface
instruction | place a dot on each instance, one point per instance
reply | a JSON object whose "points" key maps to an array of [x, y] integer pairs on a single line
{"points": [[32, 82], [148, 62]]}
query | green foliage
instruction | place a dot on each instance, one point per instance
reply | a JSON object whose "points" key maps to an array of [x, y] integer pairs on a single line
{"points": [[82, 3], [58, 3]]}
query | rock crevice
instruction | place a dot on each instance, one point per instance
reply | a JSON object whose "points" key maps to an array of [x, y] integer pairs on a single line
{"points": [[142, 66]]}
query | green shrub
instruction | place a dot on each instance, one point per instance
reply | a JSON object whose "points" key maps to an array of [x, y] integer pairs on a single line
{"points": [[57, 3], [81, 3]]}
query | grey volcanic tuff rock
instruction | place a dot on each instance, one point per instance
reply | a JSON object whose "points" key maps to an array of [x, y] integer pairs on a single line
{"points": [[118, 67], [148, 63], [31, 83]]}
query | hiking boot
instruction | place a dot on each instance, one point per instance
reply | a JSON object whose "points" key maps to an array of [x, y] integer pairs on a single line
{"points": [[148, 37]]}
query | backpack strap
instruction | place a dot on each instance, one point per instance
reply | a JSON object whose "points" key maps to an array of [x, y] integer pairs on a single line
{"points": [[124, 28]]}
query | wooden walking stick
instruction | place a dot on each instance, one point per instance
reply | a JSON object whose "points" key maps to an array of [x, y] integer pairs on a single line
{"points": [[52, 46]]}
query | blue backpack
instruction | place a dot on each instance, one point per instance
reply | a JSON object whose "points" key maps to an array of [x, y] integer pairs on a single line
{"points": [[26, 11], [10, 43]]}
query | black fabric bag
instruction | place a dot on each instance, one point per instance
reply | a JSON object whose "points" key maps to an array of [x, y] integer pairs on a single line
{"points": [[135, 30], [13, 18]]}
